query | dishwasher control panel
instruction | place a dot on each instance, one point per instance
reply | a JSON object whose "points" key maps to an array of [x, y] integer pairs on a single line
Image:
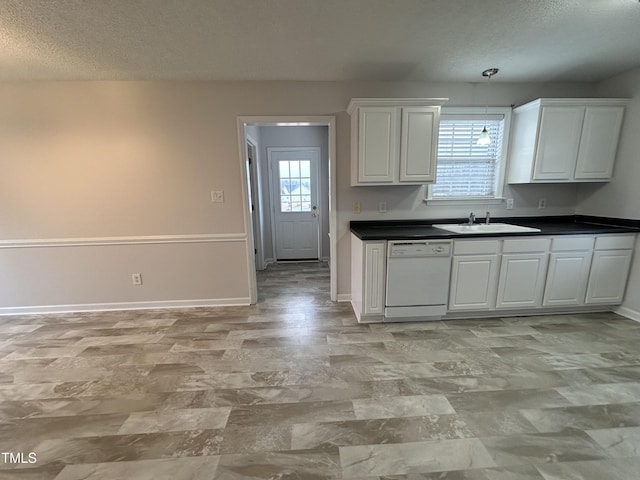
{"points": [[419, 248]]}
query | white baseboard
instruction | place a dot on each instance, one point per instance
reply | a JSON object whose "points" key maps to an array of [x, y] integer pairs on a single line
{"points": [[98, 307], [344, 297], [628, 313], [268, 261]]}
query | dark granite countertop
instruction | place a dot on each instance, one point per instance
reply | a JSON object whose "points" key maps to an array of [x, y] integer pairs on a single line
{"points": [[558, 225]]}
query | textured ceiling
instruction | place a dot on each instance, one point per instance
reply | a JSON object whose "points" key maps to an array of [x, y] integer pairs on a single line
{"points": [[432, 40]]}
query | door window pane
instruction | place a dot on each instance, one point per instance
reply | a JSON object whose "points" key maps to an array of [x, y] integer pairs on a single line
{"points": [[306, 203], [305, 168], [294, 166], [284, 169], [305, 186], [296, 204], [295, 185], [285, 186]]}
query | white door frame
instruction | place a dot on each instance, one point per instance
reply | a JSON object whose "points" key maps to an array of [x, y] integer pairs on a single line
{"points": [[328, 121], [273, 207]]}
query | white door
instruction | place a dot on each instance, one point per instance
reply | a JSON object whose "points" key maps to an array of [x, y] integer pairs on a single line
{"points": [[294, 197], [378, 144], [420, 127], [522, 279], [252, 177], [374, 259], [557, 150], [473, 282], [608, 277], [599, 142], [567, 278]]}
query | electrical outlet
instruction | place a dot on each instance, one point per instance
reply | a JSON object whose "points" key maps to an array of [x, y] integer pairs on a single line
{"points": [[356, 207], [509, 203], [542, 203], [136, 278], [217, 196], [382, 208]]}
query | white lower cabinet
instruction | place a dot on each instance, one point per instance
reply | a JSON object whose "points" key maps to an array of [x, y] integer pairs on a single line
{"points": [[521, 280], [515, 273], [375, 255], [569, 264], [567, 278], [527, 273], [610, 269], [474, 275], [368, 263], [522, 273]]}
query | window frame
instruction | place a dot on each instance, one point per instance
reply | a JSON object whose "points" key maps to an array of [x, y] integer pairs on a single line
{"points": [[502, 161]]}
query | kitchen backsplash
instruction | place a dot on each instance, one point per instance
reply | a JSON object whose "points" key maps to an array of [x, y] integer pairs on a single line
{"points": [[409, 203]]}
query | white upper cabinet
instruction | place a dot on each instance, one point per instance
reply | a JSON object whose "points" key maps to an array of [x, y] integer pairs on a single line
{"points": [[419, 142], [558, 141], [599, 142], [378, 144], [565, 140], [394, 141]]}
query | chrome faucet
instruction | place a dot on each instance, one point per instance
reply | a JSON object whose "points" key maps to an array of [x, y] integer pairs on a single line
{"points": [[487, 218], [472, 218]]}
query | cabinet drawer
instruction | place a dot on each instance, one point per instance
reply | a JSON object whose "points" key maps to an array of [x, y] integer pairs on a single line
{"points": [[615, 242], [525, 245], [475, 247], [571, 243]]}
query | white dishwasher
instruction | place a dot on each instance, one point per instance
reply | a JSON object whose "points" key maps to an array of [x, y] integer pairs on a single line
{"points": [[417, 279]]}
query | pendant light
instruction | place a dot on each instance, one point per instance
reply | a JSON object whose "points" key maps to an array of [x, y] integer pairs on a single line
{"points": [[484, 138]]}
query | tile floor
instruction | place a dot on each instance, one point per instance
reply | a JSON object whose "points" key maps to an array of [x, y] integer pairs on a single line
{"points": [[294, 388]]}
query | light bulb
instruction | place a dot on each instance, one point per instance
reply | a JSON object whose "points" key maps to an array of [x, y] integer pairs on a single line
{"points": [[484, 138]]}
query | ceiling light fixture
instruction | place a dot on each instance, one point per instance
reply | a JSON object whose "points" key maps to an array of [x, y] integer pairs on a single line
{"points": [[484, 138]]}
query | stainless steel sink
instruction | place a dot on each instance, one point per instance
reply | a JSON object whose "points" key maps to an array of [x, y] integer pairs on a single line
{"points": [[483, 228]]}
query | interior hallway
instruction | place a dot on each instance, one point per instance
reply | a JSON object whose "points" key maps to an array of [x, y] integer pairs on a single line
{"points": [[293, 387]]}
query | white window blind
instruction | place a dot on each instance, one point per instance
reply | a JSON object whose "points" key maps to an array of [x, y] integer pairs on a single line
{"points": [[466, 169]]}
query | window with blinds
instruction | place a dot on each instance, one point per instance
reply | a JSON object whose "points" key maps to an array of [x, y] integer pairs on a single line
{"points": [[466, 169]]}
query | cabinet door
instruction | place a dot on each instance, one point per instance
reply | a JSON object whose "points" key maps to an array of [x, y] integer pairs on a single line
{"points": [[599, 142], [373, 284], [567, 278], [473, 282], [377, 144], [558, 142], [418, 147], [521, 281], [608, 277]]}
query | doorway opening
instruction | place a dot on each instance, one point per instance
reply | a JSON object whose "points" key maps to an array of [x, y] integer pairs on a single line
{"points": [[289, 179]]}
